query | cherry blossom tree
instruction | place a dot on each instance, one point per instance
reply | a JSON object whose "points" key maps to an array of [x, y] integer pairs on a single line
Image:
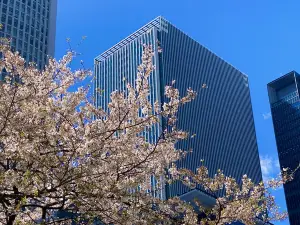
{"points": [[58, 152]]}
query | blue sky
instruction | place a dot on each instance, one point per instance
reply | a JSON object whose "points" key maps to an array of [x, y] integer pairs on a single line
{"points": [[260, 38]]}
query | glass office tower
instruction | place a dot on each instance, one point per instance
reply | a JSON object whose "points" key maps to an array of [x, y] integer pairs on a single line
{"points": [[30, 25], [285, 108], [221, 115]]}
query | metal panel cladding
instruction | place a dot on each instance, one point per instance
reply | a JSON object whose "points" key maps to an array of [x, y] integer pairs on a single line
{"points": [[221, 116]]}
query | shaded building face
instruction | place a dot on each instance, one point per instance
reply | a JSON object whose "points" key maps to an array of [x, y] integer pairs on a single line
{"points": [[285, 109], [221, 115], [30, 26]]}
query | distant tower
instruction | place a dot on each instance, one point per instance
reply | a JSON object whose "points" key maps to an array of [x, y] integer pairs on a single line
{"points": [[31, 26], [220, 116], [285, 109]]}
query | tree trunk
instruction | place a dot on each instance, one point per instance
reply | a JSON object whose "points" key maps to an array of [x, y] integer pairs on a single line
{"points": [[11, 220]]}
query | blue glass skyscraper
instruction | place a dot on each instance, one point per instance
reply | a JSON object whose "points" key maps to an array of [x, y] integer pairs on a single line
{"points": [[221, 116], [285, 109], [31, 27]]}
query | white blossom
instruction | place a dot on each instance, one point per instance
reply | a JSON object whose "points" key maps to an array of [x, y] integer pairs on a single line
{"points": [[59, 152]]}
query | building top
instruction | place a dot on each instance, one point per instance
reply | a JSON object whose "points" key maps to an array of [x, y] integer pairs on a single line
{"points": [[283, 88], [154, 23], [283, 80], [159, 23]]}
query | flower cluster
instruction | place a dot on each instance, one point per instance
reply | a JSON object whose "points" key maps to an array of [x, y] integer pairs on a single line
{"points": [[58, 152]]}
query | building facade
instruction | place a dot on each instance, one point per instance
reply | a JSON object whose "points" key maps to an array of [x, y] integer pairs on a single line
{"points": [[285, 108], [30, 25], [221, 115]]}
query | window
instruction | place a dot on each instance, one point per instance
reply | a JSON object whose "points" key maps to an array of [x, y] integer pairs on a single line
{"points": [[15, 32], [10, 11], [13, 41], [16, 23], [3, 18], [22, 16], [9, 21], [8, 28], [4, 9]]}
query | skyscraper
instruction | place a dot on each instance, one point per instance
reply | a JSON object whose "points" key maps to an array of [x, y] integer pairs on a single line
{"points": [[30, 25], [285, 108], [221, 116]]}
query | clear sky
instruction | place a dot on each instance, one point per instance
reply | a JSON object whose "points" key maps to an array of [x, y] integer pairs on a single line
{"points": [[260, 38]]}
